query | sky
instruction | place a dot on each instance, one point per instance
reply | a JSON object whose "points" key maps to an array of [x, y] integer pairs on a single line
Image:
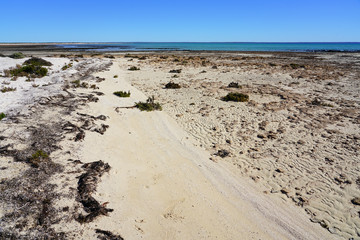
{"points": [[180, 21]]}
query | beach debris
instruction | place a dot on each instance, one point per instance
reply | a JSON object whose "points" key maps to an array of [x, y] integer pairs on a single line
{"points": [[107, 235], [222, 153], [133, 68], [172, 85], [356, 201], [175, 71], [80, 136], [87, 185]]}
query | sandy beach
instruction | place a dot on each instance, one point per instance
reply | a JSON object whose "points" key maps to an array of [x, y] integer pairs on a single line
{"points": [[78, 162]]}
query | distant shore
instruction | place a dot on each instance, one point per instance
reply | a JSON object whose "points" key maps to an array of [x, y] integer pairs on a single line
{"points": [[120, 48]]}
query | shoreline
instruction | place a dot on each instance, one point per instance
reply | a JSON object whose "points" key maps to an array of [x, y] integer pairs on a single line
{"points": [[49, 47], [178, 162]]}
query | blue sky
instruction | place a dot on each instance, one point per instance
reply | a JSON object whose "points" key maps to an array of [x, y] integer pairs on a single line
{"points": [[173, 20]]}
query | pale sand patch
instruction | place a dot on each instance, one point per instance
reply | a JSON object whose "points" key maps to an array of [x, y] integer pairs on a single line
{"points": [[161, 186]]}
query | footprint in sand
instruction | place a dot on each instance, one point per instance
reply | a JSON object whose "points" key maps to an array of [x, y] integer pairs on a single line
{"points": [[170, 212]]}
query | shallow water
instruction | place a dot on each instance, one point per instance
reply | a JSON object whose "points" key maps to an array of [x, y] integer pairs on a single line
{"points": [[208, 46]]}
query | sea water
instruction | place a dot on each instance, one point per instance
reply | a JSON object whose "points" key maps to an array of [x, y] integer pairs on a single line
{"points": [[215, 46]]}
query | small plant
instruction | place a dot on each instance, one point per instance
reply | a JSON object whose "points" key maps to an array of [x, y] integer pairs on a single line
{"points": [[93, 86], [122, 94], [115, 76], [172, 85], [2, 116], [66, 66], [38, 157], [17, 55], [234, 85], [133, 68], [7, 89], [37, 61], [296, 66], [236, 97], [76, 83], [149, 105], [142, 58], [175, 76], [84, 85], [175, 71]]}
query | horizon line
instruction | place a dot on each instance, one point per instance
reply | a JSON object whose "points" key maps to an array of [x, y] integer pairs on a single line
{"points": [[169, 42]]}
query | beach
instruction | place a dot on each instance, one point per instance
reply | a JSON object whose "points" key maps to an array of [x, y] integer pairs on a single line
{"points": [[282, 165]]}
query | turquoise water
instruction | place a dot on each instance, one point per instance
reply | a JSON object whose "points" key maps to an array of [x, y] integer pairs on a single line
{"points": [[188, 46]]}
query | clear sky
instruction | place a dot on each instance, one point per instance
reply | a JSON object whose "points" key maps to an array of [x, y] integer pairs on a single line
{"points": [[177, 21]]}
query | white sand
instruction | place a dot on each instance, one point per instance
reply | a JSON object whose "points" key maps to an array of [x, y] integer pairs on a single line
{"points": [[161, 186]]}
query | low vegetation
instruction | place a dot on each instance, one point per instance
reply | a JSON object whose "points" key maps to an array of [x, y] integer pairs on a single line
{"points": [[66, 66], [234, 85], [38, 157], [2, 116], [115, 76], [296, 66], [31, 68], [37, 62], [149, 105], [236, 97], [7, 89], [172, 85], [17, 55], [33, 71], [133, 68], [122, 94]]}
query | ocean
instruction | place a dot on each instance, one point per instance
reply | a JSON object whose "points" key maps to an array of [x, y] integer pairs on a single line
{"points": [[213, 46]]}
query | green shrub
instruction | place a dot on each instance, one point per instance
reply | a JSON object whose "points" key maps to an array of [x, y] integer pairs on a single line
{"points": [[66, 66], [149, 105], [37, 61], [175, 76], [175, 71], [122, 94], [115, 76], [236, 97], [17, 55], [29, 71], [2, 115], [133, 68], [172, 85], [7, 89]]}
